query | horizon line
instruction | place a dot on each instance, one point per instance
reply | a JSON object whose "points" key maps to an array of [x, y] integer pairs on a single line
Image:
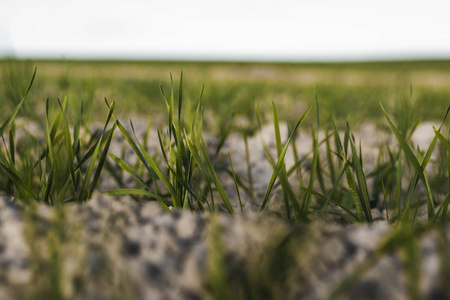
{"points": [[233, 58]]}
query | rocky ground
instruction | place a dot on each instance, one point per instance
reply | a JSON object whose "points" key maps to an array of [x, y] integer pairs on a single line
{"points": [[116, 248]]}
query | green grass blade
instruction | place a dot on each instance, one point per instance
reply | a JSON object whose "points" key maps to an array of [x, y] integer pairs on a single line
{"points": [[333, 189], [362, 184], [443, 208], [184, 183], [84, 193], [13, 114], [330, 160], [138, 153], [128, 169], [325, 198], [414, 162], [180, 99], [201, 158], [179, 166], [58, 119], [102, 160], [164, 97], [268, 155], [76, 134], [307, 196], [430, 150], [235, 182], [355, 193], [157, 170], [86, 156], [249, 170], [16, 179], [48, 188], [49, 139], [280, 161], [350, 178], [63, 192], [216, 180], [385, 202], [163, 151], [171, 107], [317, 108], [69, 149], [197, 111], [283, 177], [399, 184], [441, 138], [12, 148], [407, 150]]}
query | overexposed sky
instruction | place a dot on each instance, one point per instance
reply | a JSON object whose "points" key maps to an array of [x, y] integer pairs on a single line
{"points": [[232, 29]]}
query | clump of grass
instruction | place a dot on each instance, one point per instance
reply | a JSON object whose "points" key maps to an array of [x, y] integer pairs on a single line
{"points": [[191, 175], [190, 178], [185, 174], [57, 174], [280, 168]]}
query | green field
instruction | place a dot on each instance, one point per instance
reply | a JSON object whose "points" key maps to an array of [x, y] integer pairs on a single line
{"points": [[344, 89]]}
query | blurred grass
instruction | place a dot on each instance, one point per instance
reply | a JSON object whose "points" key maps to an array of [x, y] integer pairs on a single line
{"points": [[345, 89]]}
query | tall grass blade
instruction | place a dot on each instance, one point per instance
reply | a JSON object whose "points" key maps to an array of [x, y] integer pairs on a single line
{"points": [[198, 150], [414, 162], [332, 191], [180, 99], [280, 161], [235, 182], [312, 176], [69, 149], [385, 202], [171, 106], [138, 153], [330, 160], [399, 184], [12, 148], [157, 170], [84, 193], [13, 114], [430, 150], [128, 169], [200, 158], [283, 177], [102, 160], [362, 184], [249, 169]]}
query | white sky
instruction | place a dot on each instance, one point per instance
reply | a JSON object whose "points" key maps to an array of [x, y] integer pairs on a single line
{"points": [[232, 29]]}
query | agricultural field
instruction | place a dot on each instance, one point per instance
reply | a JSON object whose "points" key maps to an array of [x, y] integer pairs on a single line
{"points": [[345, 90], [214, 180]]}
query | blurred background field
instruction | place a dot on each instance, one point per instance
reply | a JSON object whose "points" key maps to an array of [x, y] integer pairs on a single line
{"points": [[344, 89]]}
